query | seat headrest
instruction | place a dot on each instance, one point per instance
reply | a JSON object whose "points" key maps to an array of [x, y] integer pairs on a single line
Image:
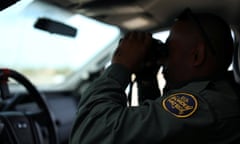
{"points": [[236, 55]]}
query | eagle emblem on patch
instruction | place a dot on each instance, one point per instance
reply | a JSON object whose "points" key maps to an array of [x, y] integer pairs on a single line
{"points": [[181, 105]]}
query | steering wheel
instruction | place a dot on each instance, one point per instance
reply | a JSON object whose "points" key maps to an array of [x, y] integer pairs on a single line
{"points": [[21, 126]]}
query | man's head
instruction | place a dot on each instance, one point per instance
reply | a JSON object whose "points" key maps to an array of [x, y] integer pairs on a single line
{"points": [[200, 46]]}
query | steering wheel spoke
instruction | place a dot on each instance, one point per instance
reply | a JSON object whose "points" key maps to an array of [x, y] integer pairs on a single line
{"points": [[41, 122]]}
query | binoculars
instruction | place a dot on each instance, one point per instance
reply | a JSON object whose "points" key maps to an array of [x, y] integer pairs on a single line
{"points": [[159, 50]]}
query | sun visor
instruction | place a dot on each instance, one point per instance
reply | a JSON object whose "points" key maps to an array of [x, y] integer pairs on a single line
{"points": [[7, 3]]}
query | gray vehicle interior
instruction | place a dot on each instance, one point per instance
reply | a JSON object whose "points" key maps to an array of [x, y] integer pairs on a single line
{"points": [[58, 107]]}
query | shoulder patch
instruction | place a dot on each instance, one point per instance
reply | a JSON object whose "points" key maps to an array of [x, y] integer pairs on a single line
{"points": [[181, 105]]}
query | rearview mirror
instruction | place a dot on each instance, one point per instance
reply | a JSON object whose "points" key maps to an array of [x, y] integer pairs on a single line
{"points": [[53, 26]]}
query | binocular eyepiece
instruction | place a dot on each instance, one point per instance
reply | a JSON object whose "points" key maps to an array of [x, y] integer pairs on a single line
{"points": [[160, 49]]}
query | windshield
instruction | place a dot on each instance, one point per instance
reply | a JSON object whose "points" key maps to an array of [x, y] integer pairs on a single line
{"points": [[47, 58]]}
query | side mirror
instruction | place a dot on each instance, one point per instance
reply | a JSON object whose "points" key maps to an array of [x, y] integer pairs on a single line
{"points": [[53, 26]]}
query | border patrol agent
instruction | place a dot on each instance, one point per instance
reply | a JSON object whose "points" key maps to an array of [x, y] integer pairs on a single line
{"points": [[200, 103]]}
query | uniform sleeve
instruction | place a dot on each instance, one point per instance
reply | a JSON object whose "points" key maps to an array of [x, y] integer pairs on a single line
{"points": [[104, 117]]}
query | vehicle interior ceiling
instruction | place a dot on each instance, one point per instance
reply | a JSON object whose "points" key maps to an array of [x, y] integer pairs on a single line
{"points": [[150, 15], [142, 15]]}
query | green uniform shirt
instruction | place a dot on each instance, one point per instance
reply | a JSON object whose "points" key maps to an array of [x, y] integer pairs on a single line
{"points": [[204, 112]]}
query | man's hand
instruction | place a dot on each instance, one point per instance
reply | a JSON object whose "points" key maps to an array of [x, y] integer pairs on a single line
{"points": [[133, 50]]}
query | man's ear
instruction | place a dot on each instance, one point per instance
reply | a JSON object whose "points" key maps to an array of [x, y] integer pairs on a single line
{"points": [[199, 54]]}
